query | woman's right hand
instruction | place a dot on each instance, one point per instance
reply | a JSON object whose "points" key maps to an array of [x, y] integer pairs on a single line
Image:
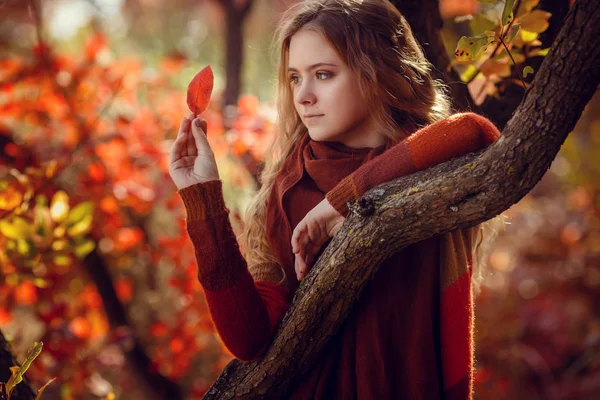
{"points": [[192, 160]]}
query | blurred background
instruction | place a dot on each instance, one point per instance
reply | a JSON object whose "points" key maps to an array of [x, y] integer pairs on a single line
{"points": [[95, 258]]}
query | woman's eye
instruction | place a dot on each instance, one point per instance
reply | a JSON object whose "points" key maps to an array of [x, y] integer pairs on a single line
{"points": [[325, 74], [294, 79]]}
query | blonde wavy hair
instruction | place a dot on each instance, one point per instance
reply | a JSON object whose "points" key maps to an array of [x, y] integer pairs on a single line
{"points": [[394, 77]]}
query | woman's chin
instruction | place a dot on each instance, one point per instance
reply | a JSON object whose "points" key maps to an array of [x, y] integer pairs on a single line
{"points": [[320, 136]]}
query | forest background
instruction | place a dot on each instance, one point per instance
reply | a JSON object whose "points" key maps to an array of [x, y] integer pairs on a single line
{"points": [[95, 259]]}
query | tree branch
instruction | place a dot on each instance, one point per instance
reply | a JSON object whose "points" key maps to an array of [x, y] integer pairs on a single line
{"points": [[458, 194]]}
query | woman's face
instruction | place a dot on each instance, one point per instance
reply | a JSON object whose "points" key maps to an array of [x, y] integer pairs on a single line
{"points": [[326, 93]]}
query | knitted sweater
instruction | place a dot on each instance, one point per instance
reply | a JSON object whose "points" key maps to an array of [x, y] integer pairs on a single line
{"points": [[410, 333]]}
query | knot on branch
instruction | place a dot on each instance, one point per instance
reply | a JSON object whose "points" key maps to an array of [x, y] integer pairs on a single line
{"points": [[365, 207]]}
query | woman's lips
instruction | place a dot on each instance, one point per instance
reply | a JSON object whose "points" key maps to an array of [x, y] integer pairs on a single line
{"points": [[313, 118]]}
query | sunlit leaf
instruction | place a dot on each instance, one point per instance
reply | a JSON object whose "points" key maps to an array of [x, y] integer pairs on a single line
{"points": [[59, 206], [468, 73], [468, 48], [60, 245], [62, 260], [507, 12], [527, 36], [24, 247], [539, 52], [527, 70], [80, 212], [200, 90], [536, 21], [84, 248], [18, 372], [16, 228], [526, 6], [82, 227]]}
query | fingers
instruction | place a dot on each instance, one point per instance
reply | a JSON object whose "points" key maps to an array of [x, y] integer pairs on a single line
{"points": [[199, 133], [178, 149]]}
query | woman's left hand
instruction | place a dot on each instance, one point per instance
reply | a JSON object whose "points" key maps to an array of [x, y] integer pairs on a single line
{"points": [[320, 224]]}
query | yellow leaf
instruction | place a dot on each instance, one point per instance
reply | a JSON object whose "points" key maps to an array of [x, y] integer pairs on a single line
{"points": [[60, 245], [16, 228], [84, 248], [527, 70], [59, 231], [80, 212], [59, 207], [468, 73], [41, 283], [526, 6], [82, 227], [527, 36], [62, 260], [23, 247], [535, 21]]}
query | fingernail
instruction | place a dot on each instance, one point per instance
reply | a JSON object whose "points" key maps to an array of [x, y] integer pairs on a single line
{"points": [[198, 123]]}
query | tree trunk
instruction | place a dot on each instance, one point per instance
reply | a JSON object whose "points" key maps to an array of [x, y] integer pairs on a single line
{"points": [[234, 54], [461, 193], [23, 390], [425, 21]]}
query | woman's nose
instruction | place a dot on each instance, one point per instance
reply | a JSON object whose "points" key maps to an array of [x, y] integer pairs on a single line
{"points": [[305, 94]]}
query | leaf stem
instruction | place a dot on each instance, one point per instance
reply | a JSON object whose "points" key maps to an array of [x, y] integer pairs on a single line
{"points": [[503, 34], [513, 60]]}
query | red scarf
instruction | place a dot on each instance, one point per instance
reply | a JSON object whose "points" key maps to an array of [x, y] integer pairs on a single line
{"points": [[327, 163]]}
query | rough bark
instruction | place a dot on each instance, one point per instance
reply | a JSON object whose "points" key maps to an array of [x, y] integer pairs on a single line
{"points": [[23, 390], [457, 194]]}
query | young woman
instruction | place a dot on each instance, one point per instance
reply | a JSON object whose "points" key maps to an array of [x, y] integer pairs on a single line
{"points": [[357, 107]]}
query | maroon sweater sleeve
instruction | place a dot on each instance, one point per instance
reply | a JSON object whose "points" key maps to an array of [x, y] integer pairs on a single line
{"points": [[246, 313], [438, 142]]}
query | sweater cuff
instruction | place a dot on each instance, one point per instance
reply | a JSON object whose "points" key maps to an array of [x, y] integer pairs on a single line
{"points": [[343, 192], [203, 200]]}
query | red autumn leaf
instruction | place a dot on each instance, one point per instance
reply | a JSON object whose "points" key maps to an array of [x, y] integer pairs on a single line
{"points": [[199, 90]]}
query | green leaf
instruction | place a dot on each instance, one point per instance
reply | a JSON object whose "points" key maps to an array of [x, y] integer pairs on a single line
{"points": [[507, 13], [18, 372], [526, 71], [79, 212], [468, 48]]}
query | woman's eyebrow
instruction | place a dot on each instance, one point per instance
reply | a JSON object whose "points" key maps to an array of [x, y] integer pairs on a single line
{"points": [[317, 65]]}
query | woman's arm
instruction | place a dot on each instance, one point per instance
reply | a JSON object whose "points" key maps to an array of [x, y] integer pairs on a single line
{"points": [[438, 142], [246, 313]]}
